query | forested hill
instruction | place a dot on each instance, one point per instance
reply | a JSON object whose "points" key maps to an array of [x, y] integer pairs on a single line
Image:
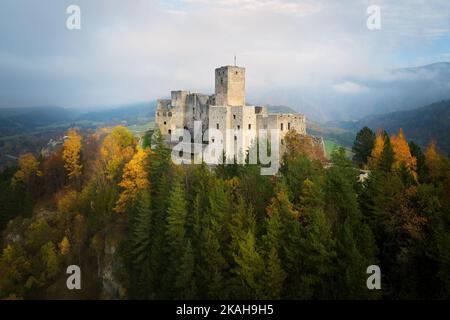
{"points": [[421, 125], [15, 121]]}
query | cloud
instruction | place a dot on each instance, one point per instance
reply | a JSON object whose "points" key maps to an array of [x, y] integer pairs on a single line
{"points": [[299, 8], [140, 50], [349, 87]]}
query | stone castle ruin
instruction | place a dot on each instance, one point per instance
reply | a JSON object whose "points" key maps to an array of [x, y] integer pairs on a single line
{"points": [[226, 111]]}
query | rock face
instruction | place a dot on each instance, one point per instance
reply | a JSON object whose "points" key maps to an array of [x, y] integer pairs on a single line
{"points": [[312, 147], [111, 264]]}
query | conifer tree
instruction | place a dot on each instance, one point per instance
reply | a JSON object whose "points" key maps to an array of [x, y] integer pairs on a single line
{"points": [[249, 267], [274, 276], [363, 145], [185, 283], [175, 233]]}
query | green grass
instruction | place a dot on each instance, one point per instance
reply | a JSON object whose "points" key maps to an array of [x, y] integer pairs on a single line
{"points": [[142, 128], [330, 146]]}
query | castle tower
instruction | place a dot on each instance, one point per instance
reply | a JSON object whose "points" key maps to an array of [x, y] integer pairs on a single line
{"points": [[230, 86]]}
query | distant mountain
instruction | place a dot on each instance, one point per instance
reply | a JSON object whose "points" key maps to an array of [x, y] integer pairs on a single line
{"points": [[280, 109], [24, 120], [421, 125], [15, 121], [131, 113], [352, 98]]}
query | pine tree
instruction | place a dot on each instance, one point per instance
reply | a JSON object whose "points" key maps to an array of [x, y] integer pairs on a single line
{"points": [[387, 157], [417, 153], [249, 267], [175, 234], [274, 276], [185, 283], [353, 256], [363, 145]]}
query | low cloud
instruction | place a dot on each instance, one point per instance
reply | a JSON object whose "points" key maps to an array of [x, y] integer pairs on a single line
{"points": [[349, 87]]}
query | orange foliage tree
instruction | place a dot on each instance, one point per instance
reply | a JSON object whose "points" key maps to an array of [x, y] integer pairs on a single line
{"points": [[377, 150], [402, 154]]}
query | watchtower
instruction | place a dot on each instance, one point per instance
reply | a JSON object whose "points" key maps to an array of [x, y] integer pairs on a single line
{"points": [[230, 86]]}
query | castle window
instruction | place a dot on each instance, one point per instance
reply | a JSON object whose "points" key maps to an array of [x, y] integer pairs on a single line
{"points": [[165, 122], [234, 116], [212, 140], [239, 127], [289, 126], [217, 126], [170, 131], [170, 114], [281, 127], [249, 126], [235, 138], [181, 153], [236, 72]]}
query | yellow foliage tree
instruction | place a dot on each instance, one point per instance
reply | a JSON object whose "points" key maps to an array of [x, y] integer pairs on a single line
{"points": [[72, 155], [402, 154], [64, 246], [135, 179], [28, 171], [437, 164], [377, 150], [117, 148]]}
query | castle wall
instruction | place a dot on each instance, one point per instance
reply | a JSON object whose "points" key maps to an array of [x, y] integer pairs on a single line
{"points": [[164, 116]]}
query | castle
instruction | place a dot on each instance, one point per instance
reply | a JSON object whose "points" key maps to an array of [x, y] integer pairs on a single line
{"points": [[226, 111]]}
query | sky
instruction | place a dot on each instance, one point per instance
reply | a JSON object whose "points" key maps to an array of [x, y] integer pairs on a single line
{"points": [[134, 50]]}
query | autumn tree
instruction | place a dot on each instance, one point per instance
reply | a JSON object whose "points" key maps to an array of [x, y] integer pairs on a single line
{"points": [[402, 154], [28, 172], [15, 267], [72, 156], [116, 150], [377, 149], [437, 165], [134, 180], [64, 246]]}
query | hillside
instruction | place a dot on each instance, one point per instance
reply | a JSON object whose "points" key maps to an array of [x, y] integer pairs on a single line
{"points": [[421, 125]]}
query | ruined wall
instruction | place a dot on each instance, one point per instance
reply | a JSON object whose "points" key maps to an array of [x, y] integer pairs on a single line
{"points": [[164, 116], [197, 109]]}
